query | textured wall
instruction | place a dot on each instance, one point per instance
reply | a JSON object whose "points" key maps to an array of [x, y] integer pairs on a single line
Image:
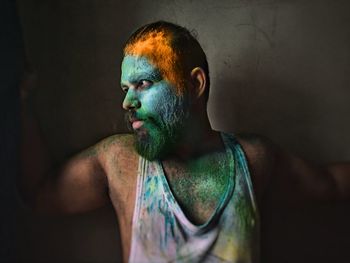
{"points": [[279, 68]]}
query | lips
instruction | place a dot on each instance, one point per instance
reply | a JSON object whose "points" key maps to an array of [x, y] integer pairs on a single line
{"points": [[136, 124]]}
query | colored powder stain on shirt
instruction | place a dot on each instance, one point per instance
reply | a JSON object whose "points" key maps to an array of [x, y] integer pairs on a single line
{"points": [[165, 234], [229, 251]]}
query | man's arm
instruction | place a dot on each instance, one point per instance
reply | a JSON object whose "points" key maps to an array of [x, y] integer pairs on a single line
{"points": [[341, 174], [79, 185], [286, 178]]}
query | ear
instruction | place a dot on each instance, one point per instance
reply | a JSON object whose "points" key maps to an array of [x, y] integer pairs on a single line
{"points": [[199, 81]]}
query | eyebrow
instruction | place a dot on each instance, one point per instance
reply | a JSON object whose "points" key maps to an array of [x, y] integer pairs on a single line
{"points": [[155, 75]]}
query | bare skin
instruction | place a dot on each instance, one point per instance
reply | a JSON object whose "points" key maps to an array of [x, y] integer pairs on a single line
{"points": [[107, 172]]}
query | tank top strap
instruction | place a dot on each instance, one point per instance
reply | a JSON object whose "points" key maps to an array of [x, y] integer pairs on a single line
{"points": [[242, 165]]}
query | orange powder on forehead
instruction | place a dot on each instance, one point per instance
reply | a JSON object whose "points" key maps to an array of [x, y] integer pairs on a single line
{"points": [[156, 46]]}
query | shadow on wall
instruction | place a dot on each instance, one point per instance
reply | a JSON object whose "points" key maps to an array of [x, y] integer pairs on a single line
{"points": [[272, 109]]}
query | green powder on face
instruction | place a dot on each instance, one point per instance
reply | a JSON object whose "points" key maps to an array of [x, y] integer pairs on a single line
{"points": [[159, 107]]}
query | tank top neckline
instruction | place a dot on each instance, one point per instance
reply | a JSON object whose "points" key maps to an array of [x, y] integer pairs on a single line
{"points": [[226, 196]]}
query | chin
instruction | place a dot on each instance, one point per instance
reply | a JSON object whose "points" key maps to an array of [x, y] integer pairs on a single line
{"points": [[151, 146], [148, 152]]}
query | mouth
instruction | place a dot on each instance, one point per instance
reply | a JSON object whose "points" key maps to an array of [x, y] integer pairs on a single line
{"points": [[136, 124]]}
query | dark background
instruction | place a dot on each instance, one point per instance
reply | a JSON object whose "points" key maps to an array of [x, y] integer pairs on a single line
{"points": [[278, 68]]}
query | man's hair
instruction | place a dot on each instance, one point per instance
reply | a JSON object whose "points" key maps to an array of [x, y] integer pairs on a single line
{"points": [[172, 48]]}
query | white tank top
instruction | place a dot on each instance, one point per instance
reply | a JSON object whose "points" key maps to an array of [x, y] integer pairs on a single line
{"points": [[161, 231]]}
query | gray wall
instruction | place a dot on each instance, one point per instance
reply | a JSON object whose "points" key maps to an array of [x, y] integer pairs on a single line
{"points": [[278, 68]]}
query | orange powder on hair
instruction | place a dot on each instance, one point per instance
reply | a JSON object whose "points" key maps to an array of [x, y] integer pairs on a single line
{"points": [[156, 46]]}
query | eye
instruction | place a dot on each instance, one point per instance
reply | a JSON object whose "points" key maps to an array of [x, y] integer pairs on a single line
{"points": [[125, 89], [144, 84]]}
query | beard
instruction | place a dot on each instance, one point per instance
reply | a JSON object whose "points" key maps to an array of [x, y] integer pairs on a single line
{"points": [[160, 132]]}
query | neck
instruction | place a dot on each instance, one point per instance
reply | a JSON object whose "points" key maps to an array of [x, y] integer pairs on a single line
{"points": [[198, 140]]}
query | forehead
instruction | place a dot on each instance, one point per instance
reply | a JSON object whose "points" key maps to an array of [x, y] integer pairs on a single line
{"points": [[156, 47], [136, 66]]}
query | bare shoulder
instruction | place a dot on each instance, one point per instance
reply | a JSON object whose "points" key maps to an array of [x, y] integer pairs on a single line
{"points": [[258, 148], [115, 143], [117, 148], [260, 152], [117, 155]]}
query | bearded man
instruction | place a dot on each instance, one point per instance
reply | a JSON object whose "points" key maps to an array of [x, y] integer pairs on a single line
{"points": [[182, 192]]}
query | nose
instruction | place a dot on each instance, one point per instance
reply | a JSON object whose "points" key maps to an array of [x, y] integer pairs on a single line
{"points": [[131, 101]]}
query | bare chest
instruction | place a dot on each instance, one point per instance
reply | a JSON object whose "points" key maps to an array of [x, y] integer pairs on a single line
{"points": [[199, 189]]}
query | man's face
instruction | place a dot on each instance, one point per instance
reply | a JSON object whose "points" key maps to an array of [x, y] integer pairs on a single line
{"points": [[155, 113]]}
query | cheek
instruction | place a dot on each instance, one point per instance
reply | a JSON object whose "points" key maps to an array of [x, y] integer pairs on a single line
{"points": [[158, 100]]}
